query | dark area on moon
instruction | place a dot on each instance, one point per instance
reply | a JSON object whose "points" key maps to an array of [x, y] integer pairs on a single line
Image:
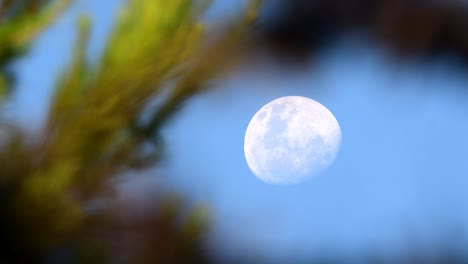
{"points": [[286, 154]]}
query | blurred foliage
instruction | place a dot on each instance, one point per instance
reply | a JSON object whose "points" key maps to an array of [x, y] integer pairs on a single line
{"points": [[405, 28], [20, 22], [57, 200]]}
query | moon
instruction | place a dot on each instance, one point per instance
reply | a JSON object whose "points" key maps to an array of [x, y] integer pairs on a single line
{"points": [[291, 139]]}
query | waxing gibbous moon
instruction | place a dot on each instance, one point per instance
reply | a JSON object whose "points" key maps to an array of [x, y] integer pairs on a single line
{"points": [[290, 139]]}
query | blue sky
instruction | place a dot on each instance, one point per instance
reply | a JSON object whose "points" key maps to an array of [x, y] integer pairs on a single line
{"points": [[400, 178]]}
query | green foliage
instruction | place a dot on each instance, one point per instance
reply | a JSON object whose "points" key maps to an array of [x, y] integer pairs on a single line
{"points": [[20, 23], [95, 131], [3, 87]]}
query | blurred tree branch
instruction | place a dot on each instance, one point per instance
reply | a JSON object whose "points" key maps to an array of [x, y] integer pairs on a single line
{"points": [[95, 131], [20, 24]]}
